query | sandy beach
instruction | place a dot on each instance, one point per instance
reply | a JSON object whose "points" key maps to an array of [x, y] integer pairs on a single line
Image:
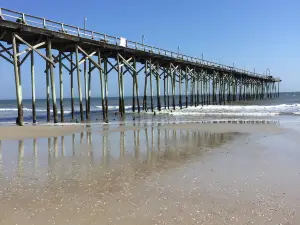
{"points": [[150, 173], [40, 131]]}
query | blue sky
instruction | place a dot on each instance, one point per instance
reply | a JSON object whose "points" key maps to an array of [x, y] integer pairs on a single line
{"points": [[252, 34]]}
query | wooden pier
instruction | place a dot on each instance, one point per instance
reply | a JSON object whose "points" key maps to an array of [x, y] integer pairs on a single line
{"points": [[195, 81]]}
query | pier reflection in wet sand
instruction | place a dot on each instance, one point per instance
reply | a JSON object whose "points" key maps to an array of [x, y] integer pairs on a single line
{"points": [[118, 176], [159, 147]]}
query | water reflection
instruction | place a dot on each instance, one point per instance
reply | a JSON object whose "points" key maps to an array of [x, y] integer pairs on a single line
{"points": [[55, 146], [73, 144], [1, 163], [77, 156], [35, 154], [20, 169]]}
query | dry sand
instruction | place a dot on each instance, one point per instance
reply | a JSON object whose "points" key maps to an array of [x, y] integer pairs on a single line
{"points": [[166, 174]]}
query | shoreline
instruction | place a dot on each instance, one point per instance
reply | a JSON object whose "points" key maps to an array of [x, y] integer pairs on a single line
{"points": [[44, 130]]}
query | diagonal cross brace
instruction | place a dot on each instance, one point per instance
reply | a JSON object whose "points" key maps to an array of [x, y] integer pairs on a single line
{"points": [[6, 58], [8, 52], [29, 49], [5, 49], [37, 51], [63, 65], [126, 63], [83, 59], [112, 66], [89, 57]]}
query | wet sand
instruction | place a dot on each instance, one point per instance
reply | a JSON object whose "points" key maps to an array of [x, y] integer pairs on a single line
{"points": [[152, 174], [38, 131]]}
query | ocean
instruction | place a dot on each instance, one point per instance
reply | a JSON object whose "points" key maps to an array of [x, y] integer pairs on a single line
{"points": [[286, 106]]}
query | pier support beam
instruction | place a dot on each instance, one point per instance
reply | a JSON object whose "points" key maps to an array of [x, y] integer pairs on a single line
{"points": [[145, 88], [61, 89], [180, 90], [101, 87], [20, 119], [49, 50], [158, 87], [72, 86], [151, 88], [79, 84], [89, 90], [33, 88]]}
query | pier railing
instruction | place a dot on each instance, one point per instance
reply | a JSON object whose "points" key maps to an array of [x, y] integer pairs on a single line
{"points": [[26, 19]]}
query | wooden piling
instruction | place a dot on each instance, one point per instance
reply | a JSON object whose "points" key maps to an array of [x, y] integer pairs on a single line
{"points": [[198, 85], [220, 90], [173, 79], [101, 87], [61, 89], [203, 90], [85, 88], [48, 87], [180, 91], [72, 86], [20, 119], [208, 90], [192, 85], [151, 89], [229, 89], [168, 89], [186, 89], [89, 89], [33, 88], [120, 86], [52, 82], [145, 88], [213, 89], [241, 90], [106, 89], [133, 86], [79, 84], [165, 91], [158, 87]]}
